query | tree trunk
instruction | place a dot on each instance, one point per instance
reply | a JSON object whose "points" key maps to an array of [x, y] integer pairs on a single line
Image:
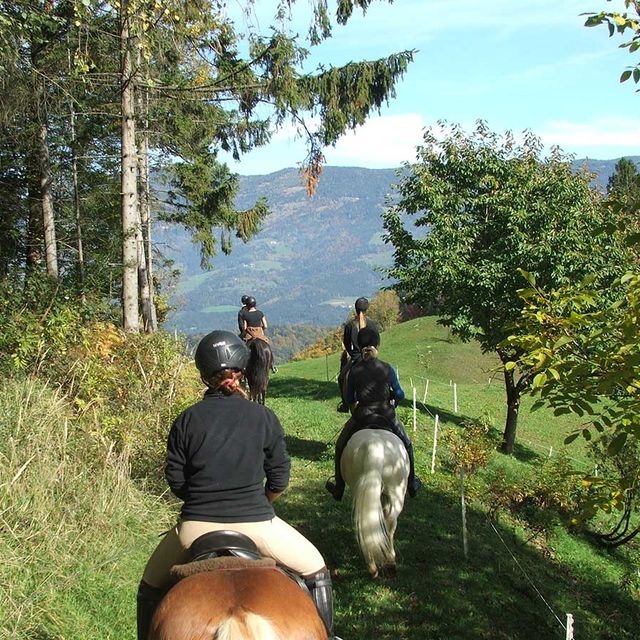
{"points": [[46, 181], [33, 249], [129, 194], [145, 270], [513, 407], [76, 194]]}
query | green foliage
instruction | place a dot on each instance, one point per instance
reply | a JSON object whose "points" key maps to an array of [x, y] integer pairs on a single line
{"points": [[73, 533], [490, 207], [384, 309], [543, 498], [623, 199], [132, 383], [129, 382], [41, 323], [621, 22], [328, 343], [583, 351], [624, 180], [469, 447], [484, 209]]}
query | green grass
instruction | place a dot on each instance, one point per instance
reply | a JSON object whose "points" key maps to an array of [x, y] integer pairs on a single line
{"points": [[220, 308], [438, 594], [75, 531]]}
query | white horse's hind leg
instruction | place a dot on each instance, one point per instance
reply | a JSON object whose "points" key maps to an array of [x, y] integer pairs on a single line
{"points": [[375, 466]]}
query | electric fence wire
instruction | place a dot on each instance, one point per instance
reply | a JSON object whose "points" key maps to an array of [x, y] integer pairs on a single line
{"points": [[526, 575]]}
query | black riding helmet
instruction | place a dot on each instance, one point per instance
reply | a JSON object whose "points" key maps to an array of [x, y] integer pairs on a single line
{"points": [[362, 304], [244, 299], [251, 301], [220, 350], [368, 337]]}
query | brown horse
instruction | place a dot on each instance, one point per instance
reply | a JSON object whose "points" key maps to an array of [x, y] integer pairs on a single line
{"points": [[257, 371], [237, 604]]}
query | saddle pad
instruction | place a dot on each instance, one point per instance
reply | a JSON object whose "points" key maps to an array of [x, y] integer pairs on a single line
{"points": [[180, 571]]}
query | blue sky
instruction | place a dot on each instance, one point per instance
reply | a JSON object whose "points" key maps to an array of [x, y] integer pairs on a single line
{"points": [[518, 64]]}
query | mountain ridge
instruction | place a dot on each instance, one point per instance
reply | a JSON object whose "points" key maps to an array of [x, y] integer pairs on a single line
{"points": [[312, 257]]}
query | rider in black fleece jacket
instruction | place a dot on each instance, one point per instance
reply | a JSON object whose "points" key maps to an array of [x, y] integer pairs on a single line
{"points": [[227, 461], [218, 454]]}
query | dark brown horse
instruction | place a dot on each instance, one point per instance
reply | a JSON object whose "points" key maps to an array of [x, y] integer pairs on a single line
{"points": [[237, 604], [257, 371]]}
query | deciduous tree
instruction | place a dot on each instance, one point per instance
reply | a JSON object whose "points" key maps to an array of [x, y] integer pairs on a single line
{"points": [[483, 206], [584, 355]]}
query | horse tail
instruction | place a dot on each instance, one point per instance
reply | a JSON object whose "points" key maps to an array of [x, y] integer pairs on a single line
{"points": [[258, 369], [368, 516], [250, 626]]}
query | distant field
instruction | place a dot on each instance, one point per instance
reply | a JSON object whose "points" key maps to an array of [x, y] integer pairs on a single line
{"points": [[221, 308], [193, 282]]}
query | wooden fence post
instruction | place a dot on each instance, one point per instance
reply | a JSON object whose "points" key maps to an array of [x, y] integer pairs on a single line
{"points": [[435, 444], [415, 420]]}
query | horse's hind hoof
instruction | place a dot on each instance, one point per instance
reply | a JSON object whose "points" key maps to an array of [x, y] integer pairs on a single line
{"points": [[389, 571]]}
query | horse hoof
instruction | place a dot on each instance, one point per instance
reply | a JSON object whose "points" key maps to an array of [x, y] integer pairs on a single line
{"points": [[389, 571]]}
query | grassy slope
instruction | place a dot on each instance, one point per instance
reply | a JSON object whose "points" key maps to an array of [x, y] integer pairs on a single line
{"points": [[74, 537], [438, 594]]}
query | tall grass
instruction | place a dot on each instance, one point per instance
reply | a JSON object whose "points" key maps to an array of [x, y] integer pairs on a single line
{"points": [[73, 527]]}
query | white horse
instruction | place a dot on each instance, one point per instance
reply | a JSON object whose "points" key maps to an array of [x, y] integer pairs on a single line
{"points": [[375, 466]]}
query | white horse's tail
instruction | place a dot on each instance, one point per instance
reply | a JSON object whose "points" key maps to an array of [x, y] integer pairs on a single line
{"points": [[368, 517], [249, 626]]}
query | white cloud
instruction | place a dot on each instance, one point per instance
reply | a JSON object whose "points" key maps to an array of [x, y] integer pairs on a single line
{"points": [[384, 141], [602, 138]]}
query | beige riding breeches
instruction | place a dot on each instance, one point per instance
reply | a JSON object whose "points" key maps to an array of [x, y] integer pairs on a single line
{"points": [[274, 538]]}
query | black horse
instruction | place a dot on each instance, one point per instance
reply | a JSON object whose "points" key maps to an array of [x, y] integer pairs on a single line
{"points": [[257, 371]]}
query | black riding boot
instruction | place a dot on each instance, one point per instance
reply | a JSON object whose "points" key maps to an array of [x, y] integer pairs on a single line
{"points": [[413, 483], [148, 599], [336, 489], [321, 591]]}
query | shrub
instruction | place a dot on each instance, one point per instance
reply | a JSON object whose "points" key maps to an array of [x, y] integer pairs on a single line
{"points": [[384, 309]]}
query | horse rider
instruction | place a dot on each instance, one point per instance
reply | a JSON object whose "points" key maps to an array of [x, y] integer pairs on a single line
{"points": [[372, 390], [350, 345], [227, 461], [253, 324], [240, 320]]}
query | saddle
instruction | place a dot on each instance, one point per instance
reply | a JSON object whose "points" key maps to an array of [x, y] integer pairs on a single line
{"points": [[368, 417], [255, 333], [226, 549]]}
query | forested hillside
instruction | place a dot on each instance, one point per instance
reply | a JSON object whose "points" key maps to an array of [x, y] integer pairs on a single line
{"points": [[313, 256]]}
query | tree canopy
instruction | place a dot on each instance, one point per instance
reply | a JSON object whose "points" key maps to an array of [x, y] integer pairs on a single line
{"points": [[147, 94], [473, 210], [584, 355]]}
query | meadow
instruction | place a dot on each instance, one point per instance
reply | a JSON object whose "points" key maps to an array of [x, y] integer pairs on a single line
{"points": [[75, 528]]}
